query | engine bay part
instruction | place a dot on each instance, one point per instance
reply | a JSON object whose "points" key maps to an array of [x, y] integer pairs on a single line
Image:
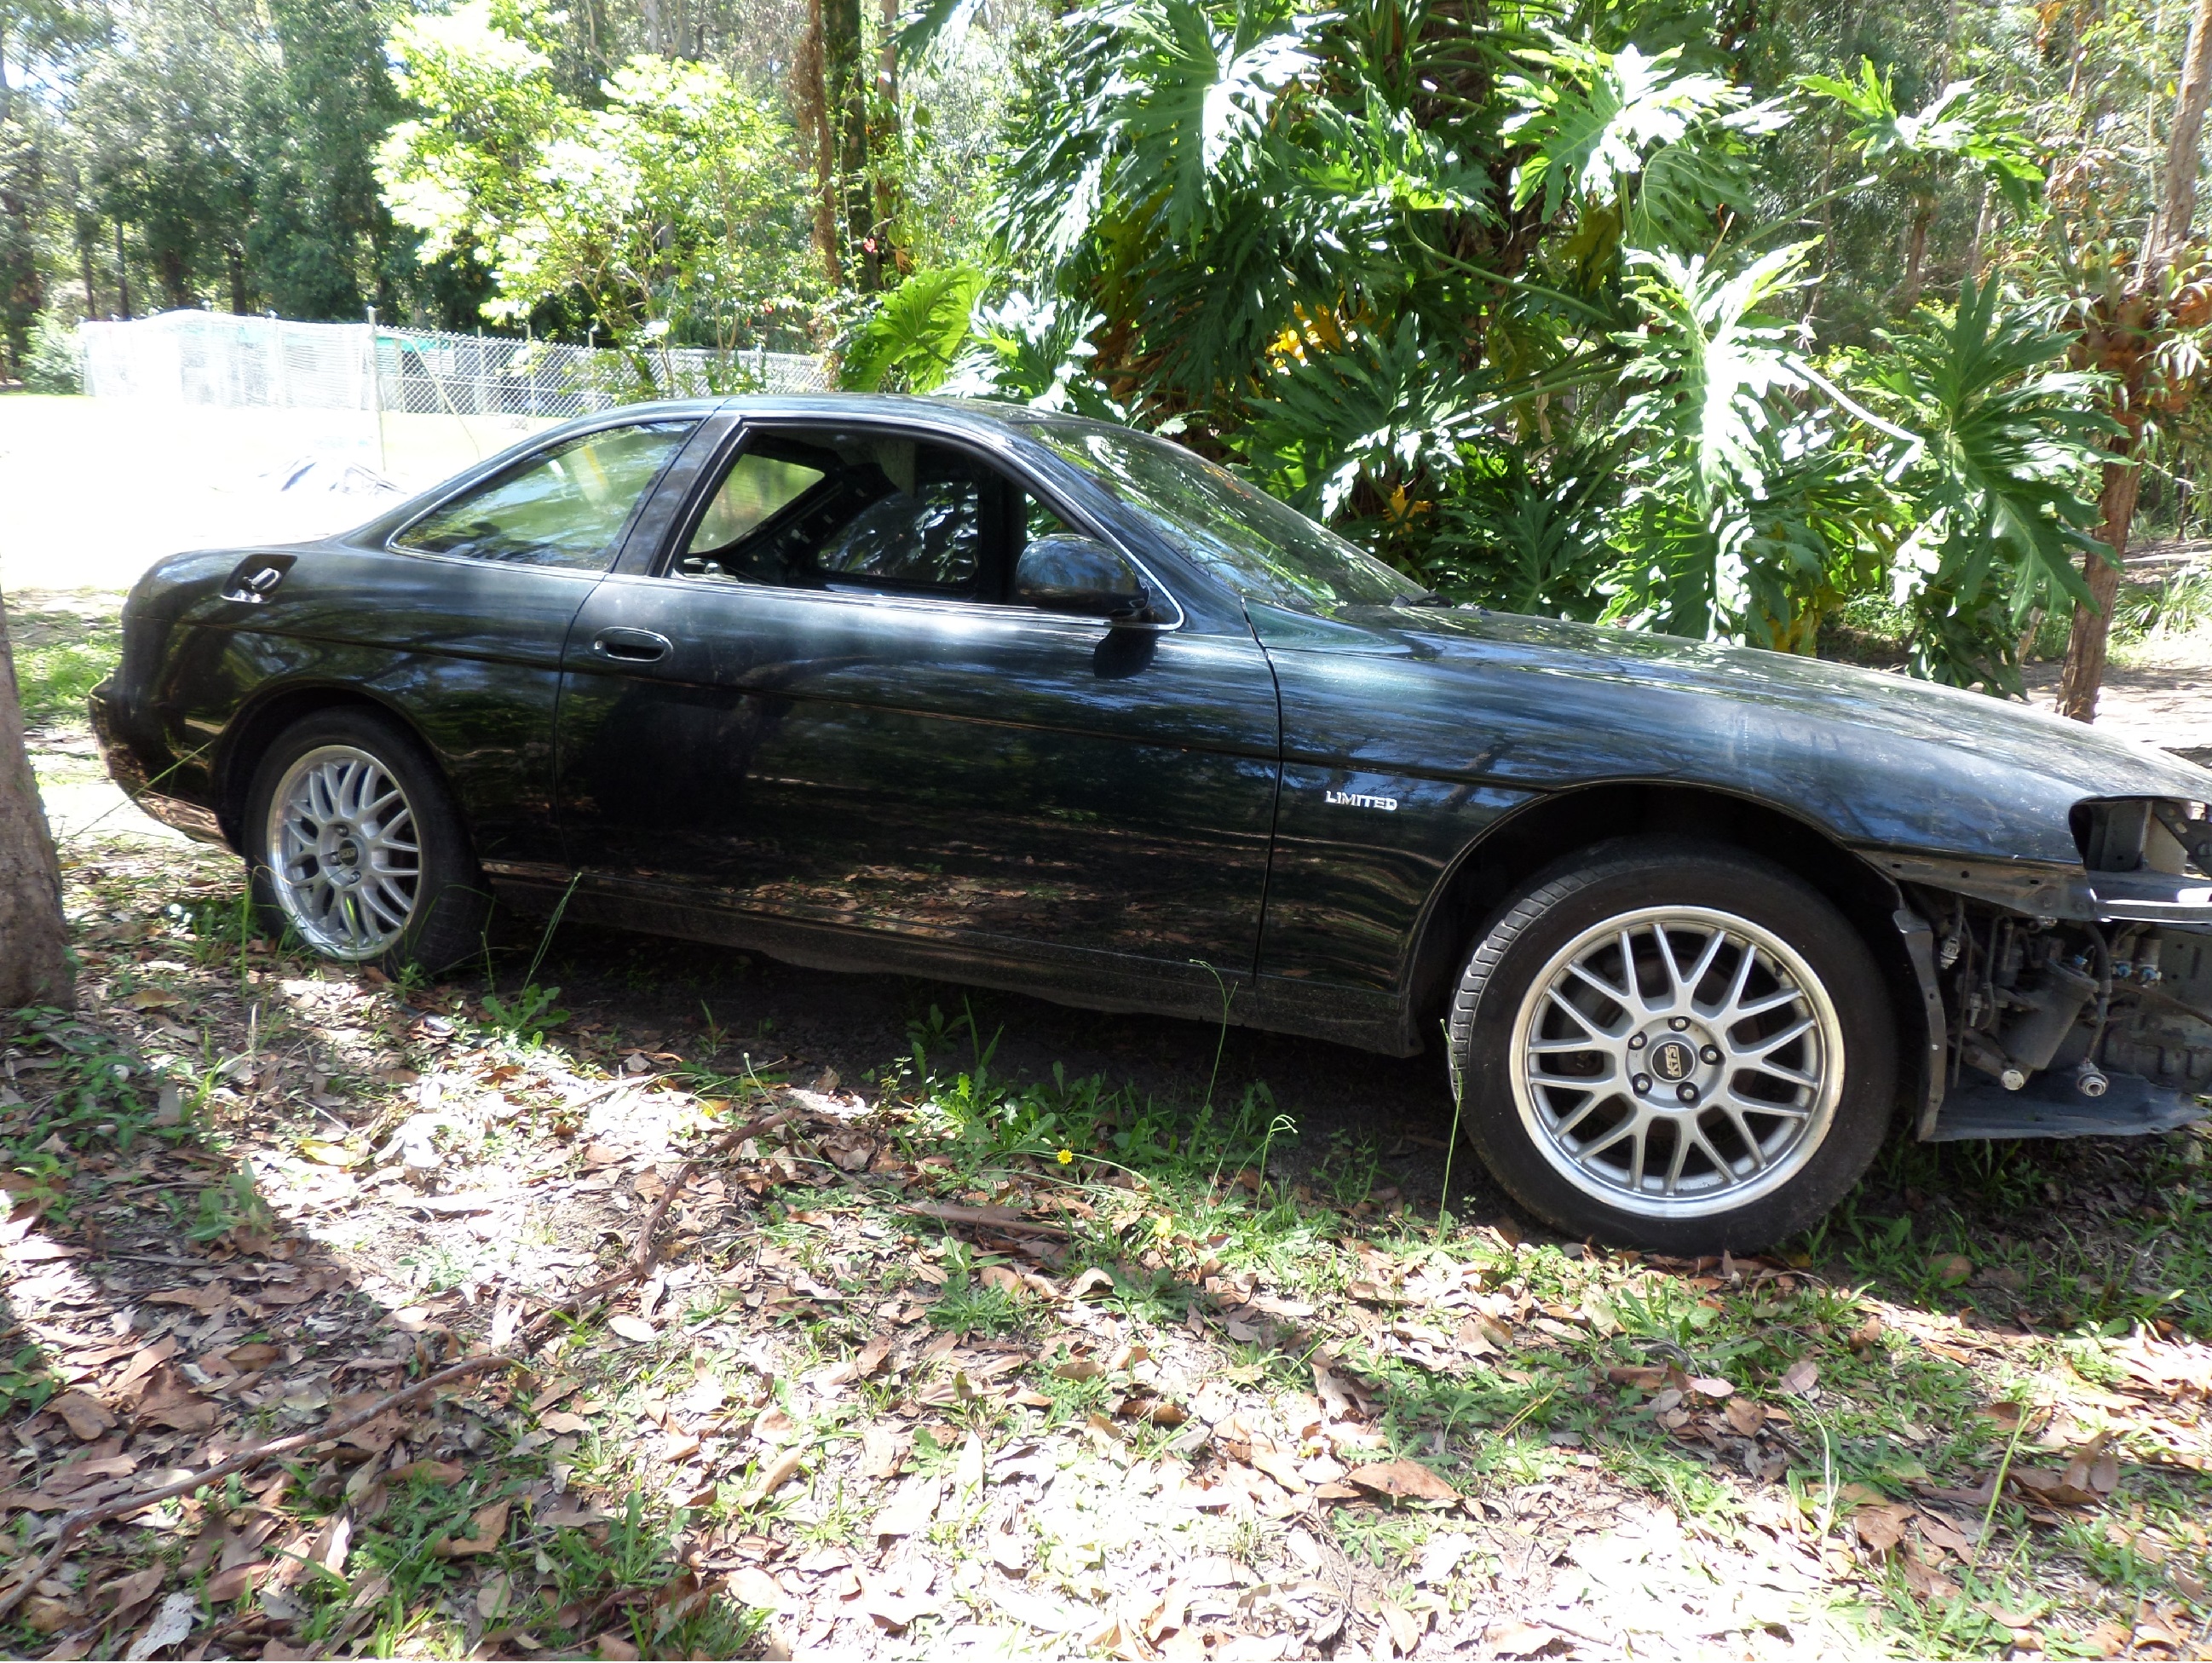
{"points": [[2074, 1012]]}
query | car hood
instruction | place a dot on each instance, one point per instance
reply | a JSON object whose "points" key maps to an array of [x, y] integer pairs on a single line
{"points": [[1879, 757]]}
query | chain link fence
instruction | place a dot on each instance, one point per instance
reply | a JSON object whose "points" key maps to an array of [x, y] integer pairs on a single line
{"points": [[213, 358]]}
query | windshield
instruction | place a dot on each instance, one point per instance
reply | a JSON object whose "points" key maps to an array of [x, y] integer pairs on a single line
{"points": [[1264, 550]]}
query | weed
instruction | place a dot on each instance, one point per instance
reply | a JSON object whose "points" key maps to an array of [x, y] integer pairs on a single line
{"points": [[233, 1204], [25, 1385], [527, 1015], [967, 1307]]}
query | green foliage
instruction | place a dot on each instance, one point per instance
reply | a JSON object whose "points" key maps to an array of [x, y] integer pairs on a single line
{"points": [[2003, 440], [527, 1015], [1031, 352], [50, 364], [1527, 534], [1655, 146], [672, 205], [1959, 126], [25, 1383], [909, 341], [1375, 409]]}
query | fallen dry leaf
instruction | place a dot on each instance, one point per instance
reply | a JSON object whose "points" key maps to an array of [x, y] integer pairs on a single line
{"points": [[968, 1470], [486, 1530], [138, 1588], [445, 1473], [1744, 1415], [778, 1472], [1923, 1578], [1801, 1377], [1881, 1527], [1405, 1479], [910, 1511], [172, 1623], [882, 1452], [1406, 1627], [1040, 1612], [88, 1418], [1513, 1638], [634, 1328], [1939, 1532], [750, 1585]]}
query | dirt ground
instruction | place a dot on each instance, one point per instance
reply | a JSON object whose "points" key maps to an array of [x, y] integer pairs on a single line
{"points": [[861, 1314]]}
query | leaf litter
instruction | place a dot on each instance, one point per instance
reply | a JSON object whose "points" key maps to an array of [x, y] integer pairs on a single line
{"points": [[797, 1368]]}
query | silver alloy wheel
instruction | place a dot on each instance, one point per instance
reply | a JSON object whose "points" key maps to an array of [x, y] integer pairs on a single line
{"points": [[1676, 1062], [347, 866]]}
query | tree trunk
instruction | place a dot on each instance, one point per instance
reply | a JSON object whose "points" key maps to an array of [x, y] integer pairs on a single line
{"points": [[122, 275], [845, 85], [1916, 255], [34, 961], [84, 261], [2163, 241], [2178, 197], [810, 93], [170, 263], [885, 143], [2086, 645]]}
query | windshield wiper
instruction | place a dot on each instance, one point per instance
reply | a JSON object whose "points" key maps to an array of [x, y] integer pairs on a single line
{"points": [[1429, 598]]}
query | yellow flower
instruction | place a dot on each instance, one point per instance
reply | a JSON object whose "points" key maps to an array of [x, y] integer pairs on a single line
{"points": [[1066, 1156]]}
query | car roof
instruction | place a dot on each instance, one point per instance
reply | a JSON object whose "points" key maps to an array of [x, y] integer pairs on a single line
{"points": [[973, 415]]}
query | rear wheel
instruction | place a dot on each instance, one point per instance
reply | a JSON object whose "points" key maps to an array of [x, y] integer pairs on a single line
{"points": [[356, 848], [1676, 1046]]}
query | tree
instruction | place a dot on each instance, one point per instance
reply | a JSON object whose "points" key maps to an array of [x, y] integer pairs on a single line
{"points": [[34, 960], [2124, 331], [673, 211]]}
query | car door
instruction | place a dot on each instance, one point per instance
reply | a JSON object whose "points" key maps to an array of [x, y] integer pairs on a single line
{"points": [[455, 615], [823, 716]]}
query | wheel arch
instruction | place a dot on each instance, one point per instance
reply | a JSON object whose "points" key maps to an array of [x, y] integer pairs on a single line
{"points": [[1494, 869], [256, 726]]}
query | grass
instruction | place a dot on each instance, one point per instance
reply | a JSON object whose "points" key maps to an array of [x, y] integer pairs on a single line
{"points": [[60, 657]]}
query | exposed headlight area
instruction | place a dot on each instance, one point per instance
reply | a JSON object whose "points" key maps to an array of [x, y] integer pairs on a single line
{"points": [[2099, 1003], [2143, 834]]}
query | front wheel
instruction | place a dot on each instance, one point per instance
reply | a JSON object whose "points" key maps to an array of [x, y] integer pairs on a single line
{"points": [[356, 846], [1675, 1046]]}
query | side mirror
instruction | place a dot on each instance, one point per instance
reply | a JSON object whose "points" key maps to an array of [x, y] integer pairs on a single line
{"points": [[1064, 573]]}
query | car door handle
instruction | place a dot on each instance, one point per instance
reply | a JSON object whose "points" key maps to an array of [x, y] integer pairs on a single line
{"points": [[632, 645]]}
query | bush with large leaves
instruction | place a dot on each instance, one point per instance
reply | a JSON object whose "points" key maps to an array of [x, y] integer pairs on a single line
{"points": [[1497, 293], [2004, 438]]}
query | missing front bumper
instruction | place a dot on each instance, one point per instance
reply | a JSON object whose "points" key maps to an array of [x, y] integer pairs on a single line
{"points": [[2048, 1105]]}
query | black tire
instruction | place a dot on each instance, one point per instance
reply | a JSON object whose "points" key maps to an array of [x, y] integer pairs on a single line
{"points": [[450, 901], [1529, 1131]]}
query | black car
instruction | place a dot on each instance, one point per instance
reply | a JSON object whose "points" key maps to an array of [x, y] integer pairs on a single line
{"points": [[1038, 703]]}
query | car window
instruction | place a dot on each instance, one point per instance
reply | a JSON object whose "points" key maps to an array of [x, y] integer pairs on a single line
{"points": [[565, 506], [755, 487], [1038, 520], [810, 510], [1263, 549]]}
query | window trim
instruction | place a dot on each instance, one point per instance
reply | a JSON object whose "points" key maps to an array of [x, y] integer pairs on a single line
{"points": [[685, 524], [476, 481]]}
